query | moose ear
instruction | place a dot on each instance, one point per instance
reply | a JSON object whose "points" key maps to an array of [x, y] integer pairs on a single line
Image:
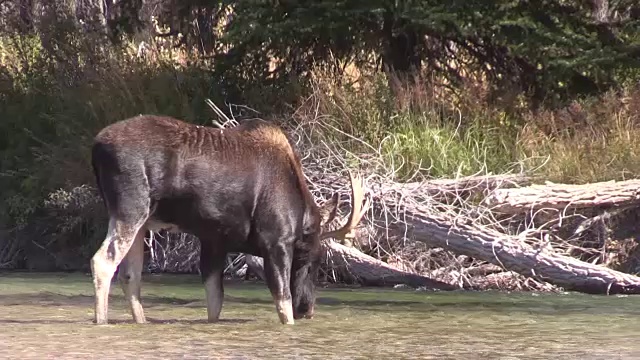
{"points": [[328, 209]]}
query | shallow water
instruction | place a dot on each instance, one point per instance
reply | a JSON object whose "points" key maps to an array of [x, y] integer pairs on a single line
{"points": [[49, 316]]}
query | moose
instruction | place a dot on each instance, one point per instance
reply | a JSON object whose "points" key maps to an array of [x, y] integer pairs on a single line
{"points": [[238, 189]]}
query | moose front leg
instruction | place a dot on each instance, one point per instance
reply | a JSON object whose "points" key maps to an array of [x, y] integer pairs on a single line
{"points": [[277, 271], [211, 268]]}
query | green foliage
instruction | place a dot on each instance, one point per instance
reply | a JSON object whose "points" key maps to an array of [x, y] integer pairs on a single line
{"points": [[414, 135], [56, 98], [551, 50], [446, 150]]}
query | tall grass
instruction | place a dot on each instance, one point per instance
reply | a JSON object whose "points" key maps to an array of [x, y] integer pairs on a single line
{"points": [[416, 129], [421, 128], [589, 141]]}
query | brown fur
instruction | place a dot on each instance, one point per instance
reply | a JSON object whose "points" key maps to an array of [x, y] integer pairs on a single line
{"points": [[238, 190]]}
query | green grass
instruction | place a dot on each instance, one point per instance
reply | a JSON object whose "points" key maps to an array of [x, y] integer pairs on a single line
{"points": [[590, 140], [446, 150]]}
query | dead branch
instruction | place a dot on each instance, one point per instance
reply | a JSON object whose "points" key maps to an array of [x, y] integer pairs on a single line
{"points": [[361, 268], [507, 251], [564, 196], [440, 189], [9, 250]]}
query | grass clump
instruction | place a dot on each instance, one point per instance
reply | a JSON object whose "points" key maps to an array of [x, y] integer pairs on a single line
{"points": [[588, 141], [420, 129], [414, 129], [446, 149]]}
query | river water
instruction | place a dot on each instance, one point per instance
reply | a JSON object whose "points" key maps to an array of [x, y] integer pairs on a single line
{"points": [[49, 316]]}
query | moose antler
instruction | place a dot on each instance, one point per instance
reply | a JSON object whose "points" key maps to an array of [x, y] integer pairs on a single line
{"points": [[358, 209]]}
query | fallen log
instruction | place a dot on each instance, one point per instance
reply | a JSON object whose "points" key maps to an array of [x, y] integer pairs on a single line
{"points": [[440, 189], [370, 271], [564, 196], [420, 221], [255, 264], [510, 253], [361, 268]]}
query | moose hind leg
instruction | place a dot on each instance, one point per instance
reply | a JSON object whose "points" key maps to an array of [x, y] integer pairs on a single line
{"points": [[211, 268], [130, 276], [277, 271], [120, 237]]}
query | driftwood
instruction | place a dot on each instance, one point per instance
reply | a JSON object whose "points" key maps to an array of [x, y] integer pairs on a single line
{"points": [[360, 268], [255, 264], [370, 271], [483, 243], [564, 196], [514, 255], [438, 189], [461, 230]]}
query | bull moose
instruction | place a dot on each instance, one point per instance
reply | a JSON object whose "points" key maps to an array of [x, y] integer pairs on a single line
{"points": [[239, 189]]}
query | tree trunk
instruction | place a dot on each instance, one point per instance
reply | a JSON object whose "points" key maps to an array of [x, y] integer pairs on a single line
{"points": [[370, 271], [400, 53], [600, 11], [361, 268], [26, 16], [563, 196], [446, 189], [204, 27], [512, 254]]}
